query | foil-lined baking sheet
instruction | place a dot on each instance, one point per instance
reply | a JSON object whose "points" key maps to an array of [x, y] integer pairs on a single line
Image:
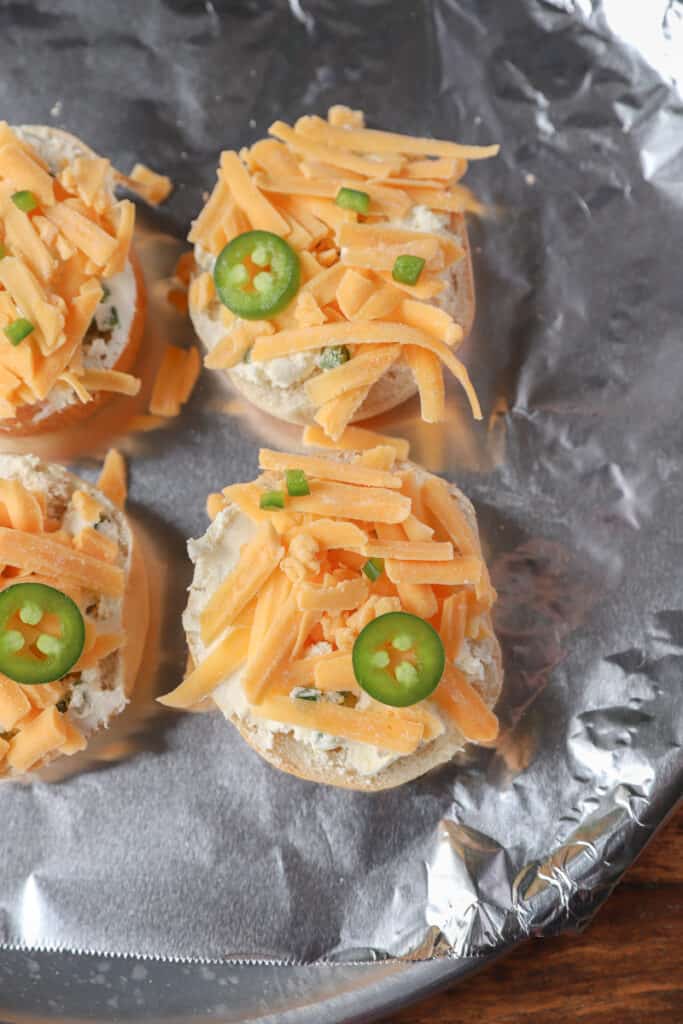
{"points": [[170, 838]]}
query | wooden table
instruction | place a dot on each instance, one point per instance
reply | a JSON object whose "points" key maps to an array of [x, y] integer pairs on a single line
{"points": [[626, 969]]}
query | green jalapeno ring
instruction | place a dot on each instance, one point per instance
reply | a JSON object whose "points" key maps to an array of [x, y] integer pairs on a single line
{"points": [[398, 659], [48, 658], [257, 274]]}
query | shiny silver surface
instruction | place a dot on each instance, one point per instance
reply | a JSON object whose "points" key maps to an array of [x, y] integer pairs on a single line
{"points": [[176, 841]]}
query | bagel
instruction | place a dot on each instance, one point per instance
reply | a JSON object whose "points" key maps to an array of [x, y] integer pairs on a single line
{"points": [[438, 310], [112, 340], [97, 687], [298, 750]]}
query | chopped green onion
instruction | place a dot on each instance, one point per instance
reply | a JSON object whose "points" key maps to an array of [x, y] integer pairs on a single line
{"points": [[246, 358], [25, 201], [407, 269], [3, 251], [353, 199], [333, 356], [272, 499], [406, 673], [18, 330], [113, 318], [105, 290], [63, 704], [297, 484], [373, 568]]}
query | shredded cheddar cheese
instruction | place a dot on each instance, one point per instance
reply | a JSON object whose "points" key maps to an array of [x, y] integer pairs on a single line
{"points": [[299, 580], [153, 187], [289, 185], [57, 258]]}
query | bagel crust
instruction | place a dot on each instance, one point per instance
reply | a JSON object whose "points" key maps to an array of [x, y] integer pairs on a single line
{"points": [[287, 748]]}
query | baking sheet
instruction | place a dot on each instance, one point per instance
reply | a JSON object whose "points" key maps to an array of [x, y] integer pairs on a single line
{"points": [[177, 841]]}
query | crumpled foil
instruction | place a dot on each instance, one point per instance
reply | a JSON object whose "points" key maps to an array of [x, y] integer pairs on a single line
{"points": [[172, 839]]}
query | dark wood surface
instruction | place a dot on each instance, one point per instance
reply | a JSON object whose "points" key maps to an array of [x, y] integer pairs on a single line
{"points": [[627, 968]]}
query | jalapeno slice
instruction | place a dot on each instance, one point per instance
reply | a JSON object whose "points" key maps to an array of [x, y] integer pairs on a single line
{"points": [[257, 275], [398, 659], [42, 633]]}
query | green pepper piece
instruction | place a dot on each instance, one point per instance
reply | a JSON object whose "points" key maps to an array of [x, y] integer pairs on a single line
{"points": [[373, 568], [257, 288], [407, 269], [333, 356], [353, 199], [30, 659], [398, 659], [24, 201], [272, 499], [18, 330], [297, 483]]}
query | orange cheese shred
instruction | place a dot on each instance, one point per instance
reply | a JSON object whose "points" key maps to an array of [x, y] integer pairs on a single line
{"points": [[225, 658], [368, 140], [329, 469], [458, 572], [112, 478], [275, 648], [40, 737], [95, 543], [175, 380], [153, 187], [356, 439], [361, 371], [19, 508], [46, 557], [383, 730], [348, 501], [366, 332], [426, 370], [55, 260], [258, 559], [448, 512], [463, 705], [453, 623]]}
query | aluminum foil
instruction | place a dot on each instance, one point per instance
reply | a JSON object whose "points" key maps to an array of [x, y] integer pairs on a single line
{"points": [[171, 838]]}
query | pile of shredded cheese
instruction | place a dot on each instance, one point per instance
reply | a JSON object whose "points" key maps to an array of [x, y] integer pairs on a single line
{"points": [[287, 185], [299, 583], [56, 257], [34, 720]]}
